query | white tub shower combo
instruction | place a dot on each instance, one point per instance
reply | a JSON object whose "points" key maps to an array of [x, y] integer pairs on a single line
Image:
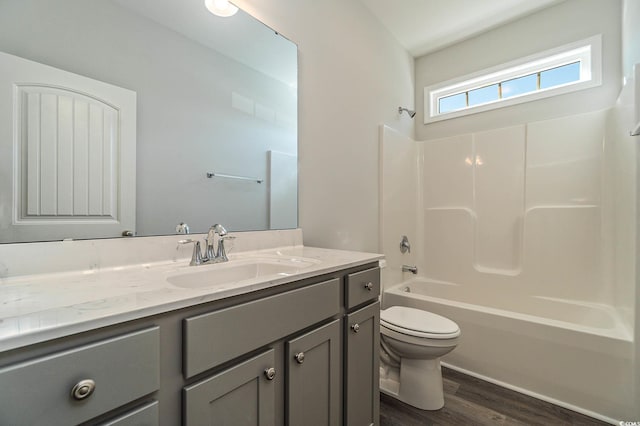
{"points": [[524, 236]]}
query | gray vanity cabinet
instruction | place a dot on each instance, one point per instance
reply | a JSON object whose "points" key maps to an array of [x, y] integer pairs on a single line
{"points": [[147, 415], [301, 354], [243, 395], [362, 345], [313, 379], [361, 376], [78, 384]]}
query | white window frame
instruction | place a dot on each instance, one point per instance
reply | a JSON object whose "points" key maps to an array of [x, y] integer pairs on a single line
{"points": [[588, 52]]}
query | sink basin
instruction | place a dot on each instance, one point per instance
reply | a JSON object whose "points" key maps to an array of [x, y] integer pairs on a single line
{"points": [[231, 272]]}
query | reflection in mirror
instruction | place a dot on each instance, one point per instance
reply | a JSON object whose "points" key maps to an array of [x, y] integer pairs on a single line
{"points": [[138, 116]]}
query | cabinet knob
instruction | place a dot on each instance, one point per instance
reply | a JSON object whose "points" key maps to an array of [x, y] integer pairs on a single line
{"points": [[369, 286], [299, 357], [83, 389], [355, 327], [270, 373]]}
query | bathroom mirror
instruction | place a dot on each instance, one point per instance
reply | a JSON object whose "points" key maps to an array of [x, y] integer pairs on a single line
{"points": [[214, 120]]}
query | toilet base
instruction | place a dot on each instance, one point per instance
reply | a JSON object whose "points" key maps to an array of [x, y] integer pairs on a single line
{"points": [[418, 382]]}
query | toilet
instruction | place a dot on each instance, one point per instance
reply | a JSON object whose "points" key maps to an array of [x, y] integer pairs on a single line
{"points": [[411, 344]]}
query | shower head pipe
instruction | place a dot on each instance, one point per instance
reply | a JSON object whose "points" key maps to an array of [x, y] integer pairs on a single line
{"points": [[411, 113]]}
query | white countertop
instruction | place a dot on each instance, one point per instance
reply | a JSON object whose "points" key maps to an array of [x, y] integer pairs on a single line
{"points": [[40, 307]]}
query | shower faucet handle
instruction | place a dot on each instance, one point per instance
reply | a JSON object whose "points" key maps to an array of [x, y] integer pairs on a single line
{"points": [[405, 246]]}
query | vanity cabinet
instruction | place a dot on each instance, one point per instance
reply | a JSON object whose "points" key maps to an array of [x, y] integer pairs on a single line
{"points": [[215, 337], [76, 385], [147, 415], [301, 353], [242, 395], [245, 394], [309, 380], [361, 375], [313, 377]]}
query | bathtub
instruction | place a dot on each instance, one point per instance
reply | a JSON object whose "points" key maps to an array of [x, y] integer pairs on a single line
{"points": [[573, 354]]}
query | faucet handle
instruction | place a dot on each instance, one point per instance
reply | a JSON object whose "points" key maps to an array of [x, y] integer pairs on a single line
{"points": [[196, 257], [405, 246], [221, 255]]}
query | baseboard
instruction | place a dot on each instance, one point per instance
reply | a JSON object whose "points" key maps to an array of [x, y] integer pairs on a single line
{"points": [[534, 395]]}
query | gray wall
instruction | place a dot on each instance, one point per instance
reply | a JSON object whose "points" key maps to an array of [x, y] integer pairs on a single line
{"points": [[186, 123]]}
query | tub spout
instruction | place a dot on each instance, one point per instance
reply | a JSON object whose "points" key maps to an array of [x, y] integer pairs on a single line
{"points": [[409, 268]]}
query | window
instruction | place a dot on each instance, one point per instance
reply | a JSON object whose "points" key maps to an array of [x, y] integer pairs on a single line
{"points": [[558, 71]]}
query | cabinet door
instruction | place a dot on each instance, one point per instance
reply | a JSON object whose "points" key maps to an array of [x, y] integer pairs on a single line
{"points": [[243, 395], [362, 398], [313, 385]]}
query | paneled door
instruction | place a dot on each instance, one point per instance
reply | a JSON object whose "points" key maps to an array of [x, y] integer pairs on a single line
{"points": [[314, 379], [67, 154], [362, 396], [243, 395]]}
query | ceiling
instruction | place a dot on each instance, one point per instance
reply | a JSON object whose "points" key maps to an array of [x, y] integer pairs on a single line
{"points": [[424, 26]]}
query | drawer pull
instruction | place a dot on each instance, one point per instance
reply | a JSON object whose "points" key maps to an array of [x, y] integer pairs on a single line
{"points": [[299, 357], [270, 373], [369, 286], [355, 327], [83, 389]]}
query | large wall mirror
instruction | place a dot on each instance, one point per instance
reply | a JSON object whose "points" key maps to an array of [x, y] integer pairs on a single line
{"points": [[119, 115]]}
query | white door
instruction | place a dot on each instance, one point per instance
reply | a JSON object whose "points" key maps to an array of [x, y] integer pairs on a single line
{"points": [[67, 154]]}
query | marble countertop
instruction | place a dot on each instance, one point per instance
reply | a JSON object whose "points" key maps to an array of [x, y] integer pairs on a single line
{"points": [[36, 308]]}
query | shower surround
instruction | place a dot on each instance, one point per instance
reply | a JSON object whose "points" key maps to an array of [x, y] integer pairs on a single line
{"points": [[525, 237]]}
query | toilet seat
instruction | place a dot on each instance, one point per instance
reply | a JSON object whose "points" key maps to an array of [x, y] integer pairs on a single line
{"points": [[418, 323]]}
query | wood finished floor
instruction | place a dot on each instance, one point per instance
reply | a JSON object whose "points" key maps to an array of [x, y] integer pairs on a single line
{"points": [[471, 401]]}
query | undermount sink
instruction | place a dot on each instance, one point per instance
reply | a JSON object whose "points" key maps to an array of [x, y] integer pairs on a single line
{"points": [[234, 271]]}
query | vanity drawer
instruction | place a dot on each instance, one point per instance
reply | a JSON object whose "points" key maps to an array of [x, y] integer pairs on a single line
{"points": [[147, 415], [361, 287], [39, 391], [217, 337]]}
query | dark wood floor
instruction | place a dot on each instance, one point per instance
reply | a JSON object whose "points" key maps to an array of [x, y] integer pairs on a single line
{"points": [[471, 401]]}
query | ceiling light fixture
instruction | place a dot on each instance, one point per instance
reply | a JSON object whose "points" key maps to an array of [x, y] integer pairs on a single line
{"points": [[221, 7]]}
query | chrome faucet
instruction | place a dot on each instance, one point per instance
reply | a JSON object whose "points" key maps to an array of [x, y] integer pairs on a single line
{"points": [[409, 268], [209, 255]]}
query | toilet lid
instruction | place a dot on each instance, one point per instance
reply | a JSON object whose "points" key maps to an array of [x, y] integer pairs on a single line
{"points": [[416, 322]]}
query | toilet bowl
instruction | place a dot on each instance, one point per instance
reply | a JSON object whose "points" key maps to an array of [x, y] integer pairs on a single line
{"points": [[412, 342]]}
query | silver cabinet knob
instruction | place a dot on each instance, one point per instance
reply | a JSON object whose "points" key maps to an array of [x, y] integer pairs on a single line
{"points": [[355, 327], [299, 357], [83, 389], [369, 286], [270, 373]]}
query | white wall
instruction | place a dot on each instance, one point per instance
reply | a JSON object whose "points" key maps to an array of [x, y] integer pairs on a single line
{"points": [[353, 75], [567, 22], [400, 202]]}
